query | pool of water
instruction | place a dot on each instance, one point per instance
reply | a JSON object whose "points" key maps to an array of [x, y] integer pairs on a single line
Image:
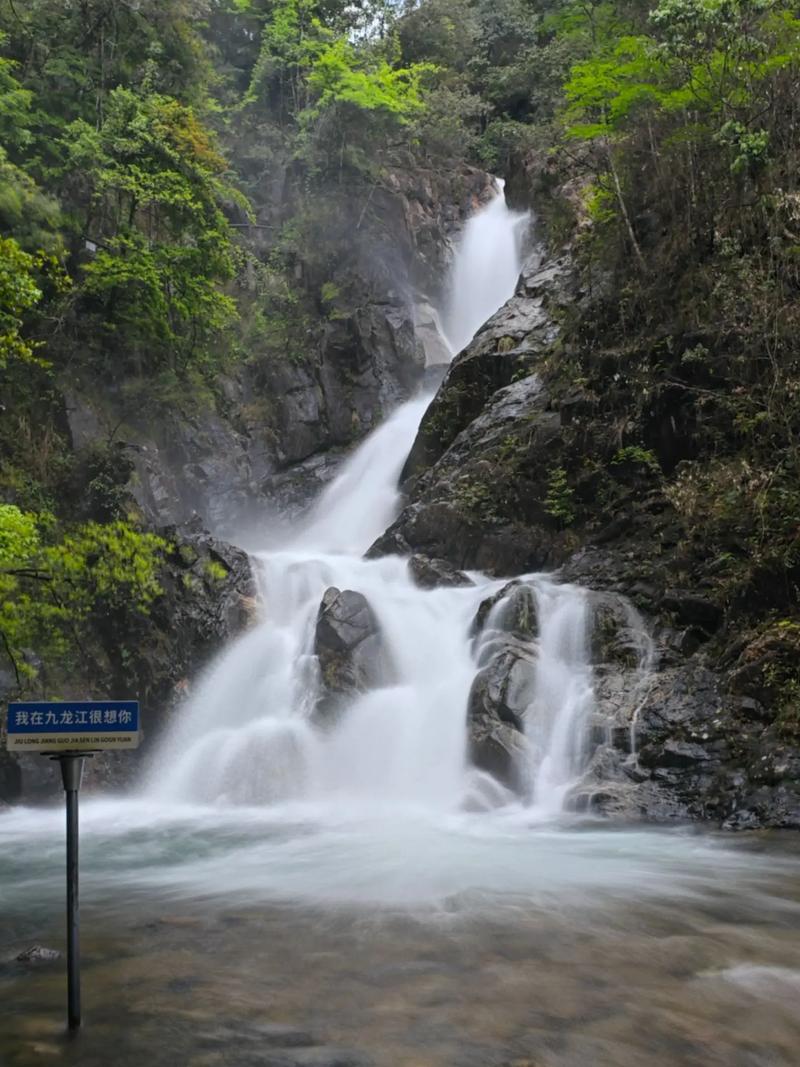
{"points": [[294, 936]]}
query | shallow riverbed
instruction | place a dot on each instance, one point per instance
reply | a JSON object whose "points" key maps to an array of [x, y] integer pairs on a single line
{"points": [[215, 937]]}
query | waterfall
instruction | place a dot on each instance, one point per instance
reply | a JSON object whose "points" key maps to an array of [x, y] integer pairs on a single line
{"points": [[563, 695], [485, 270], [249, 734]]}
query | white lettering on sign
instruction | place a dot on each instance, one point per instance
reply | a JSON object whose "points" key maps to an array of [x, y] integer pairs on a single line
{"points": [[53, 742], [68, 727]]}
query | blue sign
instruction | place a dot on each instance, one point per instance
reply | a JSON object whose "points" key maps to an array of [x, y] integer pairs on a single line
{"points": [[37, 726]]}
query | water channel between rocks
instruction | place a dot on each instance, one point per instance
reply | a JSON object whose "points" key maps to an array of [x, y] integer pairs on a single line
{"points": [[286, 891]]}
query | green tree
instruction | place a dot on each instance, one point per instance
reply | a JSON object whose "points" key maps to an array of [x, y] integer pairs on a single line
{"points": [[154, 195], [19, 294], [52, 582]]}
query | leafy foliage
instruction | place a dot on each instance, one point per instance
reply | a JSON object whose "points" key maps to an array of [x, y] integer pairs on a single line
{"points": [[559, 501], [19, 293], [52, 582]]}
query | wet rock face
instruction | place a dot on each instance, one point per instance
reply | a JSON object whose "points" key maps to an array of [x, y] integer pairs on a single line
{"points": [[681, 729], [502, 692], [348, 646], [512, 610], [498, 701], [718, 755], [505, 349], [476, 476], [432, 573]]}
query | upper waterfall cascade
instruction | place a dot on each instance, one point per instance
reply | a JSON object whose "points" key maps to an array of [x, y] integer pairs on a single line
{"points": [[485, 270], [248, 733]]}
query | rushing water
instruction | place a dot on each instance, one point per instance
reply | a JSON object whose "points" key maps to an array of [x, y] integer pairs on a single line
{"points": [[279, 891], [485, 270]]}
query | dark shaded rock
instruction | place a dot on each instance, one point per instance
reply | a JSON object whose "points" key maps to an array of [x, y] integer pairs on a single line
{"points": [[432, 573], [617, 632], [499, 750], [349, 649], [516, 613], [10, 778], [508, 345], [691, 609], [445, 529], [673, 754], [499, 698], [38, 954], [708, 756], [505, 687], [478, 471]]}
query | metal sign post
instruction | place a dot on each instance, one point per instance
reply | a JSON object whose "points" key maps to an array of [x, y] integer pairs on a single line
{"points": [[69, 732], [71, 775]]}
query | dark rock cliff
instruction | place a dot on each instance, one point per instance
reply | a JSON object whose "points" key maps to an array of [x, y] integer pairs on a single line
{"points": [[522, 464]]}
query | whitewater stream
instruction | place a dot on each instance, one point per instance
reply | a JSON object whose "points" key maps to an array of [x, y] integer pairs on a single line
{"points": [[284, 893]]}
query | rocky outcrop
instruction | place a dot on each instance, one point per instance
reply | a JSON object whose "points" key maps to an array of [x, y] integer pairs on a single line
{"points": [[519, 467], [475, 499], [349, 649], [502, 692]]}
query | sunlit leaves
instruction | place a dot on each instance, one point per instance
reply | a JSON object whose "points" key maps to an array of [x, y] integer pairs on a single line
{"points": [[52, 582], [338, 75], [19, 293]]}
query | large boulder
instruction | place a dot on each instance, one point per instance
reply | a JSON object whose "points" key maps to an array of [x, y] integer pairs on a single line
{"points": [[498, 701], [349, 649], [503, 690]]}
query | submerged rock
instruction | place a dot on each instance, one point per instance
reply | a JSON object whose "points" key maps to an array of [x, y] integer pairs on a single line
{"points": [[432, 573], [38, 954], [503, 690], [516, 611]]}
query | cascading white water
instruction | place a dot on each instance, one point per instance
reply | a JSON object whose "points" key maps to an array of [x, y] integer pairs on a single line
{"points": [[563, 694], [362, 500], [248, 734], [485, 270]]}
